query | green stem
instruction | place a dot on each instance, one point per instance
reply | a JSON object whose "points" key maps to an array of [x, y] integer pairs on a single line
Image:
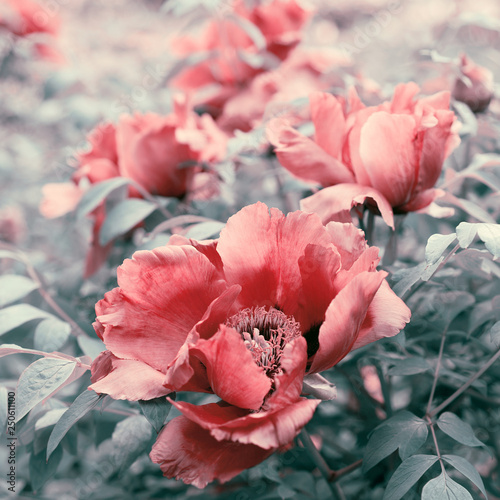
{"points": [[436, 372]]}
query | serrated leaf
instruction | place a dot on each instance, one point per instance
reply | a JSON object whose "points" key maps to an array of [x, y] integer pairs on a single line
{"points": [[85, 402], [444, 488], [51, 334], [14, 316], [407, 474], [41, 470], [14, 287], [467, 469], [156, 410], [404, 431], [457, 429], [98, 193], [123, 217], [436, 245], [39, 380], [410, 366]]}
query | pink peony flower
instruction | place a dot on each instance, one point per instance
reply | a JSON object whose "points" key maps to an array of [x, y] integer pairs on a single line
{"points": [[150, 149], [25, 17], [474, 86], [390, 155], [244, 317]]}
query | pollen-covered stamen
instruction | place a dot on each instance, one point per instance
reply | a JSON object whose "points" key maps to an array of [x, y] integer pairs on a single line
{"points": [[265, 333]]}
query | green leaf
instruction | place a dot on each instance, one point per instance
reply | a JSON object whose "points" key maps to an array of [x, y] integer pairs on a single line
{"points": [[406, 278], [4, 405], [444, 488], [467, 469], [14, 316], [39, 380], [85, 402], [495, 334], [457, 429], [488, 233], [410, 366], [205, 230], [41, 470], [407, 474], [91, 347], [404, 431], [436, 245], [123, 217], [14, 287], [156, 410], [130, 440], [51, 334], [97, 193]]}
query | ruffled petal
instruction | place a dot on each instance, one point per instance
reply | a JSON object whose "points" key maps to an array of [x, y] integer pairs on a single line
{"points": [[186, 451], [403, 97], [335, 203], [163, 293], [348, 240], [386, 316], [344, 318], [126, 379], [303, 157], [261, 252], [231, 370]]}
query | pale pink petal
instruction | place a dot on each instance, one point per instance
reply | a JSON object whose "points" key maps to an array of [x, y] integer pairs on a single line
{"points": [[126, 379], [403, 98], [335, 203], [59, 199], [349, 241]]}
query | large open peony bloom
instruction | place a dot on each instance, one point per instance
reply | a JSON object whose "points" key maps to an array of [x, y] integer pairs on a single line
{"points": [[162, 154], [244, 317], [391, 154]]}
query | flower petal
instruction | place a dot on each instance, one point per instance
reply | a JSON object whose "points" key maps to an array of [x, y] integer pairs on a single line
{"points": [[335, 203], [126, 379], [233, 374], [59, 199], [386, 316], [344, 319], [349, 241], [389, 154], [303, 157], [186, 451], [163, 293]]}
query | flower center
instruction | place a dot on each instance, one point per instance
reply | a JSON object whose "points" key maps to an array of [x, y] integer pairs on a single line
{"points": [[265, 333]]}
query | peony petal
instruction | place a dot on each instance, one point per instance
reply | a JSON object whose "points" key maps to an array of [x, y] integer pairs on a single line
{"points": [[386, 316], [261, 252], [126, 379], [349, 241], [59, 199], [388, 152], [186, 451], [344, 319], [329, 123], [231, 370], [335, 203], [420, 201], [303, 157], [403, 97], [163, 293]]}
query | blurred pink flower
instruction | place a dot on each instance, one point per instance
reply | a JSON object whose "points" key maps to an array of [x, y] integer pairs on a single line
{"points": [[161, 154], [390, 155], [225, 72], [474, 85], [275, 296], [12, 225], [24, 17]]}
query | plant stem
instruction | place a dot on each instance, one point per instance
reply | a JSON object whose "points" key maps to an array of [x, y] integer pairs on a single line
{"points": [[336, 475], [319, 461], [431, 425], [467, 384], [385, 391], [370, 225], [436, 372]]}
